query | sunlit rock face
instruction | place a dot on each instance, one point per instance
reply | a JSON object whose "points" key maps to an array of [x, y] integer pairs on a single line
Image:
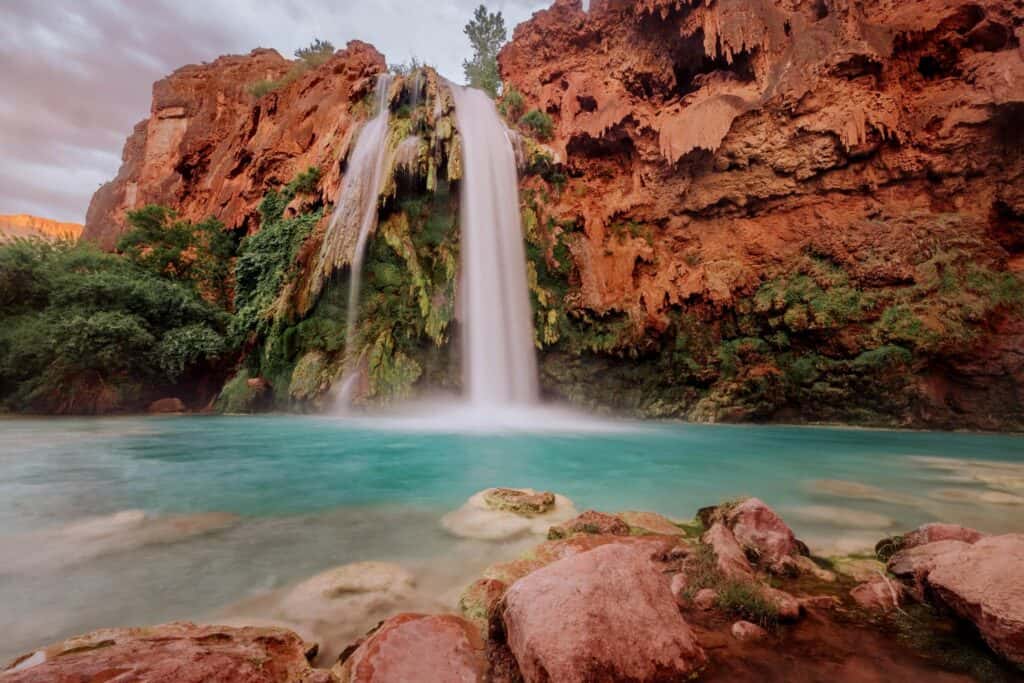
{"points": [[719, 156], [23, 225], [211, 146]]}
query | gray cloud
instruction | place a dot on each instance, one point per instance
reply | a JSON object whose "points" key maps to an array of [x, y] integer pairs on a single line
{"points": [[77, 74]]}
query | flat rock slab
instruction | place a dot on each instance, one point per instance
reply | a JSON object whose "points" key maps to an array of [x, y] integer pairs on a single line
{"points": [[601, 615], [984, 583], [440, 648], [180, 652]]}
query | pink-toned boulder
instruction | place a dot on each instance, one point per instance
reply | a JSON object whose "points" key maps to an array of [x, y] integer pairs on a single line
{"points": [[931, 533], [763, 533], [745, 631], [787, 606], [602, 615], [705, 598], [916, 563], [879, 595], [417, 647], [984, 583], [181, 652], [731, 560]]}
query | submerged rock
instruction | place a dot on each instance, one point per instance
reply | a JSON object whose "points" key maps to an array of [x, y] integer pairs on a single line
{"points": [[604, 614], [181, 652], [166, 406], [95, 537], [338, 606], [417, 647], [503, 513]]}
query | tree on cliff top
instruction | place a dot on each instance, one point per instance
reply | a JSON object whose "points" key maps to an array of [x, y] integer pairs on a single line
{"points": [[486, 33]]}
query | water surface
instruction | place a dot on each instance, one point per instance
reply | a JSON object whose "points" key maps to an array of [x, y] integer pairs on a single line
{"points": [[311, 493]]}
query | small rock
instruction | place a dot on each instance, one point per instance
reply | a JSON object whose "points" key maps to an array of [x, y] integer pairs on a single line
{"points": [[498, 514], [808, 566], [762, 532], [181, 652], [166, 406], [879, 595], [818, 602], [731, 560], [649, 523], [678, 588], [605, 614], [788, 607], [745, 631], [705, 599], [590, 522], [417, 647]]}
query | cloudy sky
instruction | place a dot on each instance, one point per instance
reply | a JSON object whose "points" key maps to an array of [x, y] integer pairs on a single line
{"points": [[76, 75]]}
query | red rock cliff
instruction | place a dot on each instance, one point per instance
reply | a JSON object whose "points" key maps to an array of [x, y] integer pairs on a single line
{"points": [[744, 143], [211, 148], [23, 225]]}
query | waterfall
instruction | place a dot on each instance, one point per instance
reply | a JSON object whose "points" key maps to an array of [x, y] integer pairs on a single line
{"points": [[355, 217], [499, 366]]}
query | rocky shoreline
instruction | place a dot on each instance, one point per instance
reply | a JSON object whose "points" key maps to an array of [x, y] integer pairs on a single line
{"points": [[630, 596]]}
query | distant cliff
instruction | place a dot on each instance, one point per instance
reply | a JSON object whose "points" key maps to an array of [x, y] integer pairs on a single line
{"points": [[23, 225]]}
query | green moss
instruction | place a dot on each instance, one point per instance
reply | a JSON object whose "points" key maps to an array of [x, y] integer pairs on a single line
{"points": [[538, 123]]}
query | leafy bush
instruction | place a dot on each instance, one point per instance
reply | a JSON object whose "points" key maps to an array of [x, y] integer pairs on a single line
{"points": [[316, 53], [541, 125], [82, 331], [512, 104]]}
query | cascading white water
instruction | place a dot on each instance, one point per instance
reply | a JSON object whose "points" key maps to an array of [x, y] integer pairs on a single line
{"points": [[499, 365], [355, 217]]}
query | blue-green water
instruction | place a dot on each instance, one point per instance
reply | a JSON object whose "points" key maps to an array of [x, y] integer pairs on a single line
{"points": [[316, 492]]}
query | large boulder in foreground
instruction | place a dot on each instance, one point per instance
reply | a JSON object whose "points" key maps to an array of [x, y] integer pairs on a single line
{"points": [[181, 652], [601, 615], [984, 583], [440, 648], [503, 513]]}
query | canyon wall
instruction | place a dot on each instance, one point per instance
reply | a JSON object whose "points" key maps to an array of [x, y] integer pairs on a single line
{"points": [[794, 209], [733, 210], [211, 147]]}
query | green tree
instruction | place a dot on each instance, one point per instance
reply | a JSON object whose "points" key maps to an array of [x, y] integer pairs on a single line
{"points": [[486, 33]]}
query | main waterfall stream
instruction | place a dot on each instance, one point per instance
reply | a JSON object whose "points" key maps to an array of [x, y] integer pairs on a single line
{"points": [[499, 366]]}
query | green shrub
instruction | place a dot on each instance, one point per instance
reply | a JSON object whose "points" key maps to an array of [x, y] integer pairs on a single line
{"points": [[512, 104], [316, 53], [539, 123], [82, 331]]}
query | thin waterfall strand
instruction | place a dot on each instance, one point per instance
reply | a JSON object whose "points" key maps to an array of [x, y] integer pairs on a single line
{"points": [[499, 363], [355, 218]]}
